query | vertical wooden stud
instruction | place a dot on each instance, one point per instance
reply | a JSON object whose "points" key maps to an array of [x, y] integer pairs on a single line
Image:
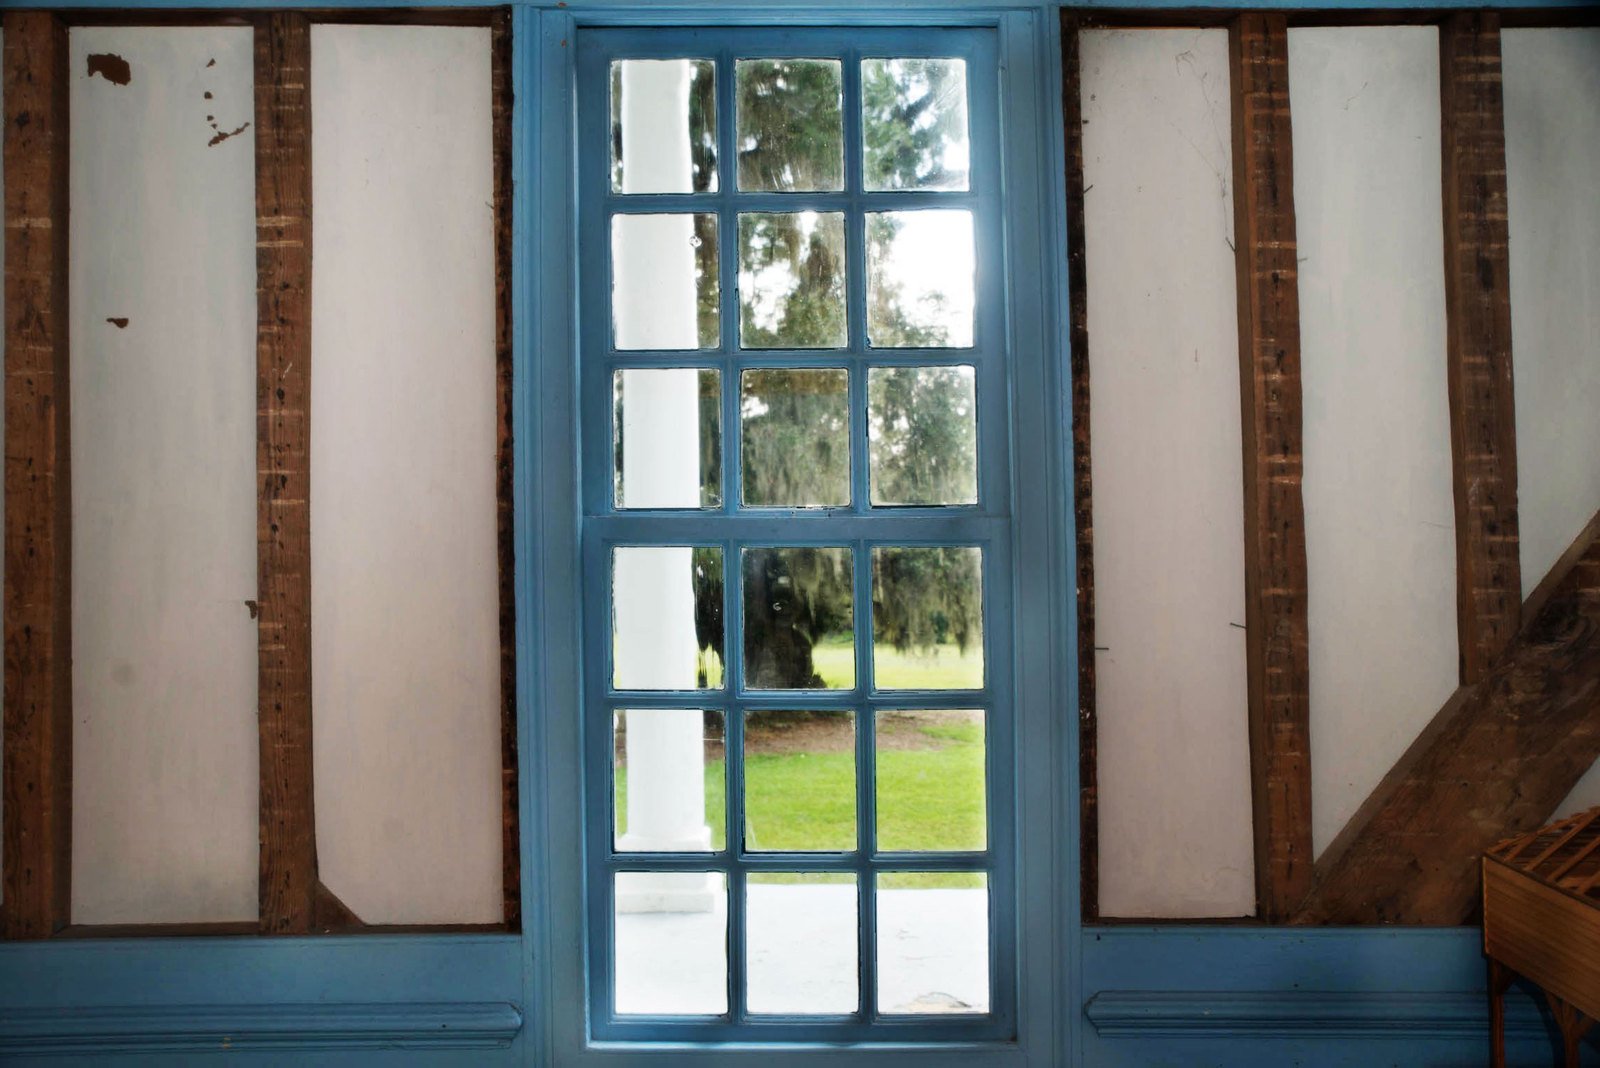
{"points": [[38, 505], [1274, 527], [503, 102], [283, 419], [1477, 276], [1078, 335]]}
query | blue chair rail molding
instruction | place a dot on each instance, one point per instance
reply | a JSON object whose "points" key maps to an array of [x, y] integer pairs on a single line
{"points": [[195, 1028]]}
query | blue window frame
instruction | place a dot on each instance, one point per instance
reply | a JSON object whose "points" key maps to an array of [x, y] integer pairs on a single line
{"points": [[729, 527]]}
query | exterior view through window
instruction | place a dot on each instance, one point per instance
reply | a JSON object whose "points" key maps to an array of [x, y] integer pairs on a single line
{"points": [[796, 535]]}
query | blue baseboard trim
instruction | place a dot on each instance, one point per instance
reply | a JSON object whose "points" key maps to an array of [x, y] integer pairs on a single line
{"points": [[1137, 1014], [198, 1028]]}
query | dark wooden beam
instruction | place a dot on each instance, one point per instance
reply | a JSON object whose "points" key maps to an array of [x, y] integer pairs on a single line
{"points": [[1495, 762], [38, 489], [283, 416], [1078, 336], [1477, 279], [1274, 521], [329, 915], [503, 102]]}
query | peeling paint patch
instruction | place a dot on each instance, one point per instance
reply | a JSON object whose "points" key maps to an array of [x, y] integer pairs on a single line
{"points": [[213, 63], [223, 135], [118, 321], [110, 66], [208, 94], [255, 609]]}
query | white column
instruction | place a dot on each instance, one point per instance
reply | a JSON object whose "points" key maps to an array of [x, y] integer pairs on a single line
{"points": [[654, 301]]}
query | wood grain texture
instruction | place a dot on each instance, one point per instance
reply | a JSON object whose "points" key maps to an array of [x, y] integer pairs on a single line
{"points": [[1499, 758], [1544, 935], [1082, 483], [38, 491], [1478, 316], [283, 365], [1277, 648], [503, 103]]}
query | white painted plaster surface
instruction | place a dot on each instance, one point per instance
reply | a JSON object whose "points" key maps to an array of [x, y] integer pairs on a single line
{"points": [[1174, 778], [164, 824], [1552, 107], [1379, 497], [405, 638]]}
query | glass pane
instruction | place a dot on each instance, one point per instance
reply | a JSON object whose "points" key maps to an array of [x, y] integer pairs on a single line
{"points": [[791, 280], [933, 942], [671, 943], [667, 436], [920, 279], [800, 942], [927, 618], [799, 781], [663, 126], [914, 123], [667, 784], [795, 449], [791, 125], [664, 287], [798, 619], [923, 426], [930, 780], [666, 617]]}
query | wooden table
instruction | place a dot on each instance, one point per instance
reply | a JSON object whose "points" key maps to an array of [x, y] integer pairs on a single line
{"points": [[1541, 921]]}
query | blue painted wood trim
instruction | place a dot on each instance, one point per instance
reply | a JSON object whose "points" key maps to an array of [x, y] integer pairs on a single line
{"points": [[1199, 997], [827, 12], [147, 1028], [1137, 1014]]}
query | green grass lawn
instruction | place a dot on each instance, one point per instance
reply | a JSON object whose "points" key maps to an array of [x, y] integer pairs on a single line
{"points": [[929, 797], [944, 667]]}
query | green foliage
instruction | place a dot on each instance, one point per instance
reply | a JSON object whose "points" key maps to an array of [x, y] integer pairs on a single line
{"points": [[912, 112], [794, 598], [791, 127], [796, 444], [925, 597]]}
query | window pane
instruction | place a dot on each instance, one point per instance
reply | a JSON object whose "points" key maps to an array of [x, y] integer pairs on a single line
{"points": [[664, 288], [791, 125], [920, 279], [667, 782], [930, 780], [933, 942], [663, 126], [800, 942], [791, 280], [671, 943], [795, 449], [927, 618], [923, 425], [914, 123], [667, 435], [666, 617], [798, 619], [799, 781]]}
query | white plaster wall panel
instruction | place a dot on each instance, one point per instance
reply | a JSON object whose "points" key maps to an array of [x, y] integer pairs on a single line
{"points": [[1379, 496], [1552, 108], [1586, 794], [162, 320], [404, 559], [1174, 767]]}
